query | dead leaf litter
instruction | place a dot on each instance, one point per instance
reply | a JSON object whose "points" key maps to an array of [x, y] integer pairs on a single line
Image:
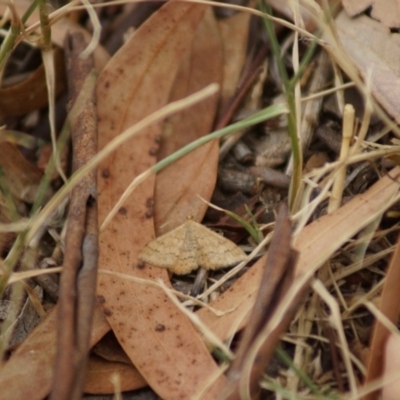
{"points": [[343, 200]]}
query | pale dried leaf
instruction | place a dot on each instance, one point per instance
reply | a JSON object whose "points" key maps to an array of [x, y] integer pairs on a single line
{"points": [[385, 11], [375, 51], [190, 246]]}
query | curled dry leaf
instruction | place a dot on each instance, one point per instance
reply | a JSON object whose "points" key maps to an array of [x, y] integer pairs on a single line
{"points": [[31, 94], [197, 171], [157, 337], [375, 52]]}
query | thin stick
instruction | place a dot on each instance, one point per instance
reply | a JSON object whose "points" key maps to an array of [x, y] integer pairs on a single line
{"points": [[78, 280], [338, 185]]}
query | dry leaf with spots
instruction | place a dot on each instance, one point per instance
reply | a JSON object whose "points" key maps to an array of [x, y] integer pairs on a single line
{"points": [[190, 246], [159, 340]]}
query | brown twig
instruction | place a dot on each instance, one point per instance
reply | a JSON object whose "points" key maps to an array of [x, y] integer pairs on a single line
{"points": [[332, 336], [78, 280], [277, 276], [247, 80]]}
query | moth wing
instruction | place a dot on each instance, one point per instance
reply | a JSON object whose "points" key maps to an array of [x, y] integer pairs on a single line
{"points": [[173, 251], [162, 251], [214, 251]]}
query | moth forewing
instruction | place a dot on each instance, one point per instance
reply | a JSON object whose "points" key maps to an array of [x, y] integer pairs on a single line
{"points": [[189, 246]]}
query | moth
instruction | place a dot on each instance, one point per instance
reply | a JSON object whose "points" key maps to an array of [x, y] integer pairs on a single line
{"points": [[189, 247]]}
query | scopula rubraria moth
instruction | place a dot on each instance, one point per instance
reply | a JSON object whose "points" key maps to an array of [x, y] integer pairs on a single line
{"points": [[190, 246]]}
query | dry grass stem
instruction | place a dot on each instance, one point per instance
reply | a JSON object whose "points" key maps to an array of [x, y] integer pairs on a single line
{"points": [[347, 134]]}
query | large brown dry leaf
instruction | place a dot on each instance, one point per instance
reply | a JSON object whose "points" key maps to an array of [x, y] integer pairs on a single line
{"points": [[375, 51], [28, 373], [316, 243], [386, 11], [194, 174], [157, 337]]}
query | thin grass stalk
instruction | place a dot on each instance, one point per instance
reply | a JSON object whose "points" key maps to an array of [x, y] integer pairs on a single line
{"points": [[303, 376], [291, 103], [45, 25]]}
